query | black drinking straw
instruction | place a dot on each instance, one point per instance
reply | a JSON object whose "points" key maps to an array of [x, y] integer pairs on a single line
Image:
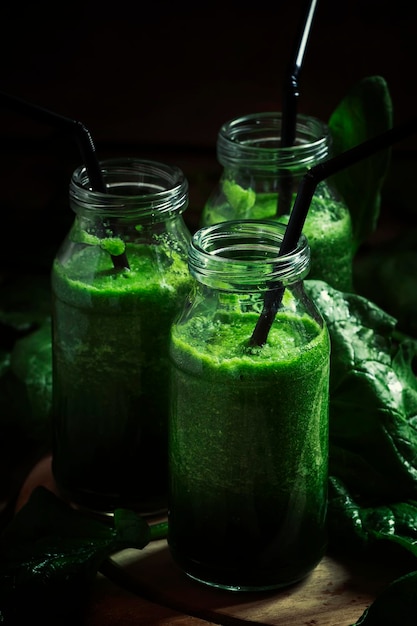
{"points": [[315, 175], [289, 104], [83, 138]]}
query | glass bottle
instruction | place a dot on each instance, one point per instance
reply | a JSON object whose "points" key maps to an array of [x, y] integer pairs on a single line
{"points": [[248, 433], [118, 280], [260, 180]]}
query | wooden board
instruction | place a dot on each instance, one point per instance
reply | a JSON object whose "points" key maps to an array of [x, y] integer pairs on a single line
{"points": [[335, 594], [111, 605]]}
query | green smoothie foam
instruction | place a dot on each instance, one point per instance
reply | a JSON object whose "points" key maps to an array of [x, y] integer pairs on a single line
{"points": [[248, 449], [111, 334], [327, 227]]}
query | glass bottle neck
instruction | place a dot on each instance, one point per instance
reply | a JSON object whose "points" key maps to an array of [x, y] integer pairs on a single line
{"points": [[243, 256], [137, 189], [254, 142]]}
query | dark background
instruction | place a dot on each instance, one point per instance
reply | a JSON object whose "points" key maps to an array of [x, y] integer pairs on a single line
{"points": [[156, 80]]}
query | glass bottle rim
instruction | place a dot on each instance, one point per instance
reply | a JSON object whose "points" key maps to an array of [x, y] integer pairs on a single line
{"points": [[243, 255], [254, 141], [136, 187]]}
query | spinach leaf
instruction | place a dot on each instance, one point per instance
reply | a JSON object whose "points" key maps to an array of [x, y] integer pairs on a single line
{"points": [[25, 359], [364, 112], [396, 605], [388, 277], [373, 442], [25, 380], [31, 363], [50, 555], [373, 419]]}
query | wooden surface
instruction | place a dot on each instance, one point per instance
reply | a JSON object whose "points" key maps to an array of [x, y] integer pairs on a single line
{"points": [[146, 587], [112, 605], [335, 594]]}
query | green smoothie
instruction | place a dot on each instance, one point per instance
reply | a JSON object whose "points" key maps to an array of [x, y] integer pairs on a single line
{"points": [[328, 228], [248, 449], [110, 338]]}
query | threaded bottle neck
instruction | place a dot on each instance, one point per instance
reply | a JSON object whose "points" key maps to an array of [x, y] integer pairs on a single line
{"points": [[242, 255], [254, 142], [137, 188]]}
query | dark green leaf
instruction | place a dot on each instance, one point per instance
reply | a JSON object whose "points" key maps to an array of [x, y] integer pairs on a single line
{"points": [[26, 360], [388, 277], [397, 605], [31, 362], [50, 554], [25, 302], [364, 112], [373, 414]]}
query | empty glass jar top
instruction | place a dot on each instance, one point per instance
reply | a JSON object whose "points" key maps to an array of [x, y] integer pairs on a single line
{"points": [[137, 187], [244, 255], [255, 141]]}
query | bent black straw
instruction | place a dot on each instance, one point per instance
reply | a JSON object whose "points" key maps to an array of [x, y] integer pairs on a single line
{"points": [[289, 105], [314, 176], [83, 138]]}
